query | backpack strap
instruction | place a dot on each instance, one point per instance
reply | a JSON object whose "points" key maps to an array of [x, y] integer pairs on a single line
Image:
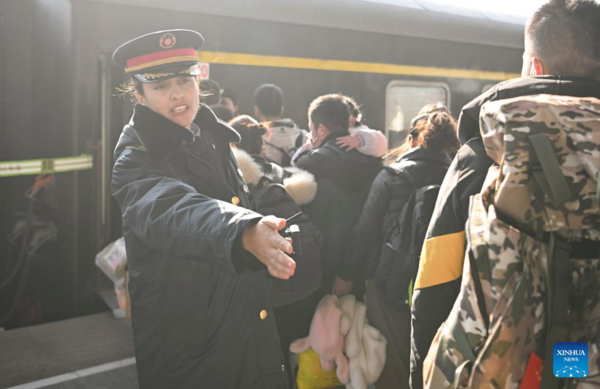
{"points": [[264, 181], [415, 185], [559, 268], [479, 291], [598, 187], [458, 372], [548, 180], [300, 139], [285, 158], [546, 172], [461, 343]]}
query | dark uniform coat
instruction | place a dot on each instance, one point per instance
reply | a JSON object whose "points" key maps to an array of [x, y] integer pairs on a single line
{"points": [[438, 282], [201, 310]]}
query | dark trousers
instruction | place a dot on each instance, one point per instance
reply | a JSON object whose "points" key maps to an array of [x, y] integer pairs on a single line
{"points": [[293, 322], [395, 327]]}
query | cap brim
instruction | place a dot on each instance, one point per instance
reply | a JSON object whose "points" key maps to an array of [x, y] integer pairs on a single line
{"points": [[149, 43], [157, 75]]}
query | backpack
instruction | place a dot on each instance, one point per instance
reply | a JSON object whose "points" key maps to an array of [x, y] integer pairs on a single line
{"points": [[401, 251], [269, 198], [281, 192], [531, 275], [285, 139]]}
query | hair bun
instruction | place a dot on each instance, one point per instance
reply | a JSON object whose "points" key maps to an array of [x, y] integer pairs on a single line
{"points": [[258, 128]]}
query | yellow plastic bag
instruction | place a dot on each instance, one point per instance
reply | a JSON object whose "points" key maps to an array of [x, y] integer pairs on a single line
{"points": [[311, 375]]}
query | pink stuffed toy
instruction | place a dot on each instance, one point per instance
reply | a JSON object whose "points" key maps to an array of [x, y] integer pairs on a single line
{"points": [[342, 337], [326, 339]]}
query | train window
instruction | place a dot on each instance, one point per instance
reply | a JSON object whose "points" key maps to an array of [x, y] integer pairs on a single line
{"points": [[403, 101]]}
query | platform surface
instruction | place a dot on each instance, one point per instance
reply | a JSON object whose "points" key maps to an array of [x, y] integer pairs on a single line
{"points": [[65, 347]]}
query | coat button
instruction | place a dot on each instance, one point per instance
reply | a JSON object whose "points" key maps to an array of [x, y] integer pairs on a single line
{"points": [[282, 367], [235, 200], [241, 173], [263, 314]]}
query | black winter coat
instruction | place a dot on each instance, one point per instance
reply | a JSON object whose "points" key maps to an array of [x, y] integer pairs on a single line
{"points": [[389, 193], [201, 310], [350, 171], [344, 179]]}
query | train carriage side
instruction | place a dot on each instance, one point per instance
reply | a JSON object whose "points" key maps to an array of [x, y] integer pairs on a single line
{"points": [[309, 59], [391, 59]]}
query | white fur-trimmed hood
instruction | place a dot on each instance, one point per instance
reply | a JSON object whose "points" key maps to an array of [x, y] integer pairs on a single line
{"points": [[250, 169], [300, 184]]}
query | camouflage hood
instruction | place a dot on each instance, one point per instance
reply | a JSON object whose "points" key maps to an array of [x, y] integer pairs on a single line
{"points": [[468, 122]]}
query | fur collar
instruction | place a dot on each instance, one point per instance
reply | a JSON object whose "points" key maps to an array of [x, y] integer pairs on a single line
{"points": [[250, 169], [160, 136], [300, 184]]}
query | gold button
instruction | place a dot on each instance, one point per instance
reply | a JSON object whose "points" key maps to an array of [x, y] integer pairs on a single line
{"points": [[241, 173], [235, 200], [282, 367], [263, 314]]}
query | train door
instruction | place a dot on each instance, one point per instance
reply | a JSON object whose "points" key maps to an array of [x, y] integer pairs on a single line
{"points": [[403, 101], [115, 111]]}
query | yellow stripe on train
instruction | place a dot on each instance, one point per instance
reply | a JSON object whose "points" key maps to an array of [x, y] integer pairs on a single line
{"points": [[347, 66]]}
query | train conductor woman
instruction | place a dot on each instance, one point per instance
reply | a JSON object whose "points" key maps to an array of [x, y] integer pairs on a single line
{"points": [[199, 259]]}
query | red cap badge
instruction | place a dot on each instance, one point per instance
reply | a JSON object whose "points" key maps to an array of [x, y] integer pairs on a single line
{"points": [[167, 41]]}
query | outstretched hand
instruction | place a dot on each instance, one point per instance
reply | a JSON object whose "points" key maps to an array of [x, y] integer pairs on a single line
{"points": [[348, 142], [264, 242]]}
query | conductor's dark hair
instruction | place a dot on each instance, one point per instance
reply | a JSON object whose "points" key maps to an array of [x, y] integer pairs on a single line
{"points": [[565, 35], [211, 91], [269, 100]]}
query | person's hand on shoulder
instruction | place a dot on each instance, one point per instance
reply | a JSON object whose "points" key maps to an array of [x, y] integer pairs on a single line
{"points": [[349, 142], [264, 242]]}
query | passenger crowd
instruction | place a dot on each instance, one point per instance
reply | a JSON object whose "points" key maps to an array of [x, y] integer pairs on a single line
{"points": [[389, 224]]}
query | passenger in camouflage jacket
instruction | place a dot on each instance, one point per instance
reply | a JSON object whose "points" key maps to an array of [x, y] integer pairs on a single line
{"points": [[562, 54], [439, 278]]}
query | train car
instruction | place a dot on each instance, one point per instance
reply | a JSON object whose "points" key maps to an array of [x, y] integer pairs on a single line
{"points": [[59, 86]]}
